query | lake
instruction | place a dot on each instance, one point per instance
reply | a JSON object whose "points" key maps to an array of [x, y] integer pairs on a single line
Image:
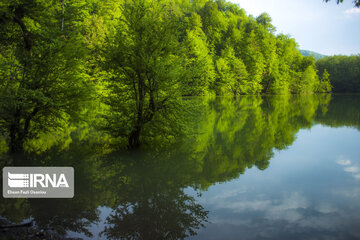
{"points": [[271, 167]]}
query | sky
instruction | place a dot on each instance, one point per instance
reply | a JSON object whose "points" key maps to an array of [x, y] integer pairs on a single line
{"points": [[326, 28]]}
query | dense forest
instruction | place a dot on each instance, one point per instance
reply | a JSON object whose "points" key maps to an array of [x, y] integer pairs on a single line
{"points": [[344, 72], [126, 64]]}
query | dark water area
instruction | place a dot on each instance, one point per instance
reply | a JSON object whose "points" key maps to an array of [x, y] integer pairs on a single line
{"points": [[276, 167]]}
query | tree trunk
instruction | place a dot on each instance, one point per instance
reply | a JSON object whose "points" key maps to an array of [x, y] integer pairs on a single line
{"points": [[267, 84], [26, 34], [134, 138], [16, 142], [63, 13]]}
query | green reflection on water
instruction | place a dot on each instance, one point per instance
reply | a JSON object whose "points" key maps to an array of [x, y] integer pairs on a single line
{"points": [[145, 189]]}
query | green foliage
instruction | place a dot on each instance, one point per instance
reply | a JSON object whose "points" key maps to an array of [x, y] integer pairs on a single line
{"points": [[43, 81], [136, 60], [356, 2], [150, 193], [265, 20], [199, 65], [236, 134], [344, 72], [232, 74], [342, 110], [146, 68], [324, 84]]}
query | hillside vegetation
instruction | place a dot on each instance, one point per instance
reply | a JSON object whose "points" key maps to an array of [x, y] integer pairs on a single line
{"points": [[135, 59], [344, 72], [307, 53]]}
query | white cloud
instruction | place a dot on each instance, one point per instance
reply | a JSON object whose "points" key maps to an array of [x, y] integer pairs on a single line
{"points": [[352, 169], [350, 193], [349, 166], [325, 207], [352, 11], [285, 208], [343, 162]]}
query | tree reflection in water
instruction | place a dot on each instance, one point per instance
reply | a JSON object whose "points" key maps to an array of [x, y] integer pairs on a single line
{"points": [[146, 189]]}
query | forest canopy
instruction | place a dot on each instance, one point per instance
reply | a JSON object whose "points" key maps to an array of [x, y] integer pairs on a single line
{"points": [[344, 72], [134, 60]]}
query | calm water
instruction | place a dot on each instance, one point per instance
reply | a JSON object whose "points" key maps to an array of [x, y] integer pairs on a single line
{"points": [[251, 168]]}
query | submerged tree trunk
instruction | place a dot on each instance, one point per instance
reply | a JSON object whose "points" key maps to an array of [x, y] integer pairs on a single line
{"points": [[268, 84], [134, 138], [19, 133], [142, 119], [16, 141]]}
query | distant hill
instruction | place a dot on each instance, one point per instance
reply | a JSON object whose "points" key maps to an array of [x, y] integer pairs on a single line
{"points": [[316, 55]]}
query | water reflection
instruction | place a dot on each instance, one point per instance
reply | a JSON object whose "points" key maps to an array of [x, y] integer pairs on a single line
{"points": [[59, 215], [304, 193], [172, 191], [349, 167], [148, 198]]}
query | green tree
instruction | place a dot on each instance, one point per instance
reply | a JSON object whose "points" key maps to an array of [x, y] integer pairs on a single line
{"points": [[214, 25], [232, 74], [344, 72], [265, 20], [145, 68], [356, 2], [308, 80], [254, 61], [199, 63], [41, 71], [324, 84], [140, 58]]}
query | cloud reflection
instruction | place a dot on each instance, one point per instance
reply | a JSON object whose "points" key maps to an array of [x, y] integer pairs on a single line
{"points": [[264, 216], [349, 166]]}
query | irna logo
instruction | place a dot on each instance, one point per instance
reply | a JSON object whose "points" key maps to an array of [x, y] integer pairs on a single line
{"points": [[19, 180], [38, 182]]}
